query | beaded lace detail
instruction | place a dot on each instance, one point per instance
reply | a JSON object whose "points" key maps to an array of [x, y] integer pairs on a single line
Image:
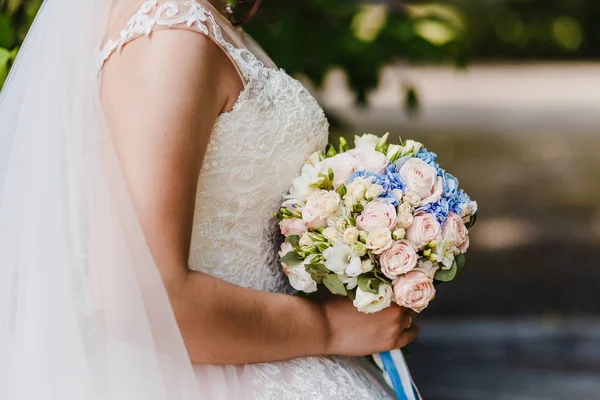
{"points": [[255, 152]]}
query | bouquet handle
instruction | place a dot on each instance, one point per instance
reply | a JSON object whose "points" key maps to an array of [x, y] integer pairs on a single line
{"points": [[397, 374]]}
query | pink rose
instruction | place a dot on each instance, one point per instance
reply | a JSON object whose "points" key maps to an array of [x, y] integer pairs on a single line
{"points": [[399, 259], [292, 226], [343, 165], [424, 229], [414, 290], [422, 179], [377, 215], [372, 161], [455, 232]]}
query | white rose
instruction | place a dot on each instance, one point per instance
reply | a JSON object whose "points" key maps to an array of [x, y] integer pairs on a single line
{"points": [[422, 179], [320, 205], [412, 198], [341, 259], [331, 234], [379, 240], [367, 141], [424, 229], [374, 190], [373, 302], [351, 235], [367, 266], [399, 234], [371, 160], [405, 220], [301, 280], [343, 165], [411, 148], [356, 191]]}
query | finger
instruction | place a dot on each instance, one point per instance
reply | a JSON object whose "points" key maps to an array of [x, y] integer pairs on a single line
{"points": [[409, 318], [409, 336]]}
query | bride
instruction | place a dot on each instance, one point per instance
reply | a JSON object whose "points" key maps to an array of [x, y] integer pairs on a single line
{"points": [[145, 146]]}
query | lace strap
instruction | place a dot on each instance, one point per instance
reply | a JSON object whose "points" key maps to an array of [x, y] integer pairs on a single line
{"points": [[181, 14]]}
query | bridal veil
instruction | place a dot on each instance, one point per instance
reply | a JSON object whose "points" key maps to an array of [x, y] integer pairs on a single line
{"points": [[83, 310]]}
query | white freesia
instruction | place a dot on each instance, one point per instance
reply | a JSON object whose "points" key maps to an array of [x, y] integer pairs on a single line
{"points": [[379, 240], [320, 205], [315, 158], [341, 259], [411, 148], [301, 186], [427, 267], [367, 140], [351, 235], [350, 281], [301, 280], [394, 149], [373, 302]]}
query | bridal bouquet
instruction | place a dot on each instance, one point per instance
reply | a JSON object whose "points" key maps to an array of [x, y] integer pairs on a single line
{"points": [[379, 223]]}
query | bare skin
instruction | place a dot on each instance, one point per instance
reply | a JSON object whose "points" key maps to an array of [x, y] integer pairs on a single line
{"points": [[161, 104]]}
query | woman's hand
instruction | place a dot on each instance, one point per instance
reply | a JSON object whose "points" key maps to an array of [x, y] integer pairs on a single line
{"points": [[353, 333]]}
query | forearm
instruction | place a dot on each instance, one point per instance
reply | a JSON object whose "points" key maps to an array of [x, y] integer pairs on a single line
{"points": [[226, 324]]}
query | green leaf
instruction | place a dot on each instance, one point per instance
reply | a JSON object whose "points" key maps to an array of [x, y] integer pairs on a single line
{"points": [[330, 151], [343, 144], [291, 259], [335, 285], [446, 275], [294, 240], [5, 57], [330, 174], [352, 295], [369, 285], [342, 190], [382, 145], [461, 261], [322, 246], [317, 271]]}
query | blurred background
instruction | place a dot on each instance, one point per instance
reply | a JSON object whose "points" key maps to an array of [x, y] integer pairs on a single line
{"points": [[507, 92]]}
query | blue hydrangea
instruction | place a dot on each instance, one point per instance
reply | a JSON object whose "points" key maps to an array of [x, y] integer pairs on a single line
{"points": [[394, 178], [389, 182], [429, 158], [460, 202], [440, 209], [450, 186]]}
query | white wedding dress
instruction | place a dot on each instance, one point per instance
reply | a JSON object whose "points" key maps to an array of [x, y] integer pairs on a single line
{"points": [[254, 153]]}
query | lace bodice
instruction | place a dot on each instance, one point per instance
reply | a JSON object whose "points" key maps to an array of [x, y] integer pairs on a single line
{"points": [[255, 152]]}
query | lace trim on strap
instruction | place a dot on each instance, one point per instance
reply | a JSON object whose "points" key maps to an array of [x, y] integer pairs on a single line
{"points": [[173, 14]]}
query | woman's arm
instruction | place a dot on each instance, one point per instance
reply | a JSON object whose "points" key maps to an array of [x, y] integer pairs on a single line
{"points": [[162, 97]]}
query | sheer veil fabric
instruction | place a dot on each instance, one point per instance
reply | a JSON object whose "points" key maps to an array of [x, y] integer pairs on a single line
{"points": [[83, 311]]}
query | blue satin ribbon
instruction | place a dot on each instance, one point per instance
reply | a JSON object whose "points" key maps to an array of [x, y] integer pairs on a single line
{"points": [[390, 368]]}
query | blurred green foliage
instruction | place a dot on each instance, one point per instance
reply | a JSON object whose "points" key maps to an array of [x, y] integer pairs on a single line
{"points": [[310, 37]]}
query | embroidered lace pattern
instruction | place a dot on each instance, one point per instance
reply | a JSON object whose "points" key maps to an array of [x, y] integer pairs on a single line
{"points": [[255, 152]]}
